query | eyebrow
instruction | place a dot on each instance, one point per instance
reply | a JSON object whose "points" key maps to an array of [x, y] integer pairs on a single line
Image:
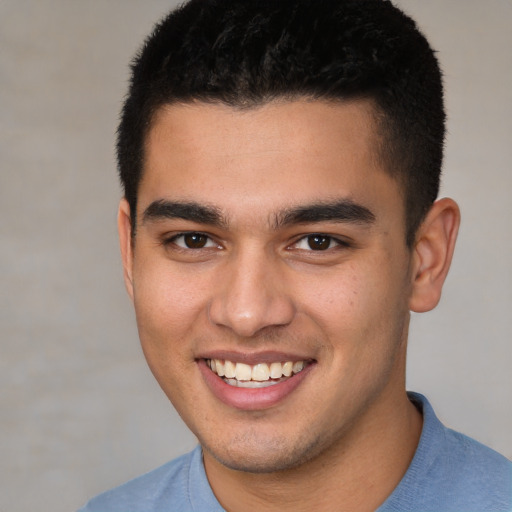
{"points": [[344, 210], [202, 214]]}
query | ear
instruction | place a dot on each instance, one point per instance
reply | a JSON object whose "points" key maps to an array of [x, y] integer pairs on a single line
{"points": [[124, 228], [432, 254]]}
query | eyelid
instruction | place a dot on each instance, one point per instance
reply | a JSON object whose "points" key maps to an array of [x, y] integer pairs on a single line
{"points": [[167, 240], [338, 241]]}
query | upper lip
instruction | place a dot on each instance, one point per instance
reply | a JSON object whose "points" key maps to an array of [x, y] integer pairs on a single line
{"points": [[252, 358]]}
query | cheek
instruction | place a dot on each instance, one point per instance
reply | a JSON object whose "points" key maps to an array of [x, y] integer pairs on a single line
{"points": [[167, 314], [168, 305], [338, 295], [358, 306]]}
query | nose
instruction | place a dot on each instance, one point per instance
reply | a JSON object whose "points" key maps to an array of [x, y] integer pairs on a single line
{"points": [[252, 295]]}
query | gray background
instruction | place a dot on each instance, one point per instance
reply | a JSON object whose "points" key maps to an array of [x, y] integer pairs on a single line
{"points": [[79, 410]]}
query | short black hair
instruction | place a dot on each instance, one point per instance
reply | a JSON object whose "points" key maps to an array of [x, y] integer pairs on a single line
{"points": [[245, 53]]}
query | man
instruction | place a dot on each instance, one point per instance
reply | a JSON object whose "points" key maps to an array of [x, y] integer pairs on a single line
{"points": [[280, 164]]}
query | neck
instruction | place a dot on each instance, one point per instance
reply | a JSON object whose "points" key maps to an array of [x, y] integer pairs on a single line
{"points": [[357, 473]]}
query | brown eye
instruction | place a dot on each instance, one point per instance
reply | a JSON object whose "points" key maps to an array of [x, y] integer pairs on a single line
{"points": [[319, 242], [195, 240]]}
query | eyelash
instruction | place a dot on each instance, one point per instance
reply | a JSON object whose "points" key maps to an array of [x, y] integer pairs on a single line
{"points": [[332, 242], [173, 240]]}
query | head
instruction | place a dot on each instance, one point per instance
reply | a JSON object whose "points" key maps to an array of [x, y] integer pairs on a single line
{"points": [[280, 161], [247, 54]]}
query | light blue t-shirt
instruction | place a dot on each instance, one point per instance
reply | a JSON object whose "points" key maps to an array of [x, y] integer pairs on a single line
{"points": [[449, 473]]}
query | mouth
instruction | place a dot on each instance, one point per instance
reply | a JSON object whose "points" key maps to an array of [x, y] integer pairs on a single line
{"points": [[260, 375], [254, 382]]}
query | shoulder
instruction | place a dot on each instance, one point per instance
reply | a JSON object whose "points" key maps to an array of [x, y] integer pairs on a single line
{"points": [[476, 472], [452, 472], [165, 488]]}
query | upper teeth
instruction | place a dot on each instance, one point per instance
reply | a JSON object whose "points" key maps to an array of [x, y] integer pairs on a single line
{"points": [[259, 372]]}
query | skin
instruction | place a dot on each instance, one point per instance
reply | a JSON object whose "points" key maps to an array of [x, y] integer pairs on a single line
{"points": [[258, 287]]}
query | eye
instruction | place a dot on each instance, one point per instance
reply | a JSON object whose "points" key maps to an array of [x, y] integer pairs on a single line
{"points": [[193, 240], [317, 242]]}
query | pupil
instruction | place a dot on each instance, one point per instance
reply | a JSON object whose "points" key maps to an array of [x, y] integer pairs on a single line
{"points": [[319, 242], [195, 240]]}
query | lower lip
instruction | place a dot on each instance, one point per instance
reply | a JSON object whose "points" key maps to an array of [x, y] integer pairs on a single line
{"points": [[251, 399]]}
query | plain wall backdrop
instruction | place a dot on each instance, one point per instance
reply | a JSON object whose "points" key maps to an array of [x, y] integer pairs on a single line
{"points": [[80, 411]]}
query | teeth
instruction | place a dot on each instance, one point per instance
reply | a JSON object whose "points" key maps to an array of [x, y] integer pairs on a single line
{"points": [[259, 375], [287, 368], [229, 369], [260, 372], [276, 370], [243, 371], [219, 365], [251, 383], [298, 366]]}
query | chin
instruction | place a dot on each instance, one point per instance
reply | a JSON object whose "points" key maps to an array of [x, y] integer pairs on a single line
{"points": [[263, 455]]}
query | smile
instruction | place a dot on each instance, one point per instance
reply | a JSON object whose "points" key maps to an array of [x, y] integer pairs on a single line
{"points": [[254, 376]]}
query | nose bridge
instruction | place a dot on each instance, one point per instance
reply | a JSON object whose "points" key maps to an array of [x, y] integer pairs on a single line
{"points": [[252, 293]]}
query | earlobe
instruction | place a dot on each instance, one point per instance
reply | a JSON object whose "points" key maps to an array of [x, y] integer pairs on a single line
{"points": [[124, 228], [433, 251]]}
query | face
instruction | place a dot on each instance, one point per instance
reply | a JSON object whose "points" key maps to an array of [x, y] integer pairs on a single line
{"points": [[270, 277]]}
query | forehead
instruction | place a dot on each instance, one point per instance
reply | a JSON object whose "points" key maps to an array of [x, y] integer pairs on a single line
{"points": [[276, 154]]}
